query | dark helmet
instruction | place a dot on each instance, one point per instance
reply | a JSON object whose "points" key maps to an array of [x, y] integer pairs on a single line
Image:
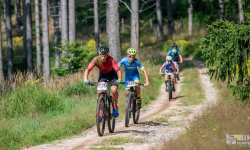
{"points": [[174, 45], [103, 50]]}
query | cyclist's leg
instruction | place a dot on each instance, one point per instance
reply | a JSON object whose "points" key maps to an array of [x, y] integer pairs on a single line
{"points": [[136, 79], [115, 95], [172, 78], [166, 80], [177, 69], [113, 78]]}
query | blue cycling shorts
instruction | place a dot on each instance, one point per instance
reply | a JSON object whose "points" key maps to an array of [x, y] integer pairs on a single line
{"points": [[131, 77]]}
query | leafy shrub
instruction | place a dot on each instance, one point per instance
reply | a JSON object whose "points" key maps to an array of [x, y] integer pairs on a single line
{"points": [[72, 57]]}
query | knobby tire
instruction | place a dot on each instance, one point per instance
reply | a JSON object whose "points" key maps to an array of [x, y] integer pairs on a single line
{"points": [[169, 90], [128, 106], [136, 113], [111, 118], [100, 123]]}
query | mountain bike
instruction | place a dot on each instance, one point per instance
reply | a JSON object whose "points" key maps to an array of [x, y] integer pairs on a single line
{"points": [[169, 85], [131, 103], [105, 103]]}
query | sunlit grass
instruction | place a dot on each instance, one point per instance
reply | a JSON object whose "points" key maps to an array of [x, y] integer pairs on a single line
{"points": [[191, 89]]}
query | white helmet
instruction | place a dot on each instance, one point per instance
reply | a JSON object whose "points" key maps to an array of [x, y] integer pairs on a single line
{"points": [[169, 58]]}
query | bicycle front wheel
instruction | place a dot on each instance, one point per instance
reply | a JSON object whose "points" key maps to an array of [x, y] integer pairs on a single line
{"points": [[111, 118], [169, 90], [100, 120], [128, 110], [136, 112]]}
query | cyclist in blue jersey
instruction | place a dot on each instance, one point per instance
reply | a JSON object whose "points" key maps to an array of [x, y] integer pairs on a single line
{"points": [[131, 73], [169, 67], [175, 56]]}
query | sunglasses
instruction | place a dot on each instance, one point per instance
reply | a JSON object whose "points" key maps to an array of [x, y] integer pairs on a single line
{"points": [[131, 56], [169, 61]]}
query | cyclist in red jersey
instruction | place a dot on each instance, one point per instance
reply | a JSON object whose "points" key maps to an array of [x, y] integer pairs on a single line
{"points": [[109, 71]]}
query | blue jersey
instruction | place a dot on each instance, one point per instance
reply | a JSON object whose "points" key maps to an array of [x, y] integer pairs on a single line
{"points": [[130, 68], [170, 53], [169, 67]]}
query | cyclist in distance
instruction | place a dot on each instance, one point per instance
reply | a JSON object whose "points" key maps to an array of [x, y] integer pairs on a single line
{"points": [[175, 46], [108, 70], [169, 67], [175, 56], [131, 73]]}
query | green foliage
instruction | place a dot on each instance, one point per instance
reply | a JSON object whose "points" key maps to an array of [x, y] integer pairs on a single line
{"points": [[72, 58], [29, 99], [227, 51]]}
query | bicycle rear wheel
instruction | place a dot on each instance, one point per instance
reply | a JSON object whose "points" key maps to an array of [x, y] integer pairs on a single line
{"points": [[169, 90], [111, 118], [136, 112], [128, 106], [100, 123]]}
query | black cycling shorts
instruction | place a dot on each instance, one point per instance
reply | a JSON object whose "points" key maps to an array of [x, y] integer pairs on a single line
{"points": [[108, 78]]}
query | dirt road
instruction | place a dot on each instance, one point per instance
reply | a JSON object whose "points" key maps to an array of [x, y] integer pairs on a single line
{"points": [[148, 133]]}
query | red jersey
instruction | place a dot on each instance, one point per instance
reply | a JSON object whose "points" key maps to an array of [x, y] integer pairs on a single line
{"points": [[104, 67]]}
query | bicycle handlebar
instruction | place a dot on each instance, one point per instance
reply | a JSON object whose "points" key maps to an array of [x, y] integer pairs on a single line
{"points": [[168, 73], [124, 82]]}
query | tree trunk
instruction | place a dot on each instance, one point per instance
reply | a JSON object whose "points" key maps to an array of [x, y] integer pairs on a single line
{"points": [[24, 30], [46, 54], [107, 15], [18, 13], [4, 11], [181, 25], [96, 26], [123, 28], [86, 25], [29, 37], [135, 35], [64, 29], [221, 6], [9, 40], [171, 29], [159, 21], [114, 30], [241, 17], [72, 21], [38, 45], [190, 17], [1, 51], [151, 26], [56, 33], [48, 4]]}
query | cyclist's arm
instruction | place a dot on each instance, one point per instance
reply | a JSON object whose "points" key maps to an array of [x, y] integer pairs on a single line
{"points": [[89, 68], [86, 73], [160, 69], [181, 60], [119, 74], [146, 76], [117, 69]]}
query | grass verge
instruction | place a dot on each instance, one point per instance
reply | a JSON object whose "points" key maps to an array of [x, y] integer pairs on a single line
{"points": [[191, 89], [229, 117], [117, 141]]}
